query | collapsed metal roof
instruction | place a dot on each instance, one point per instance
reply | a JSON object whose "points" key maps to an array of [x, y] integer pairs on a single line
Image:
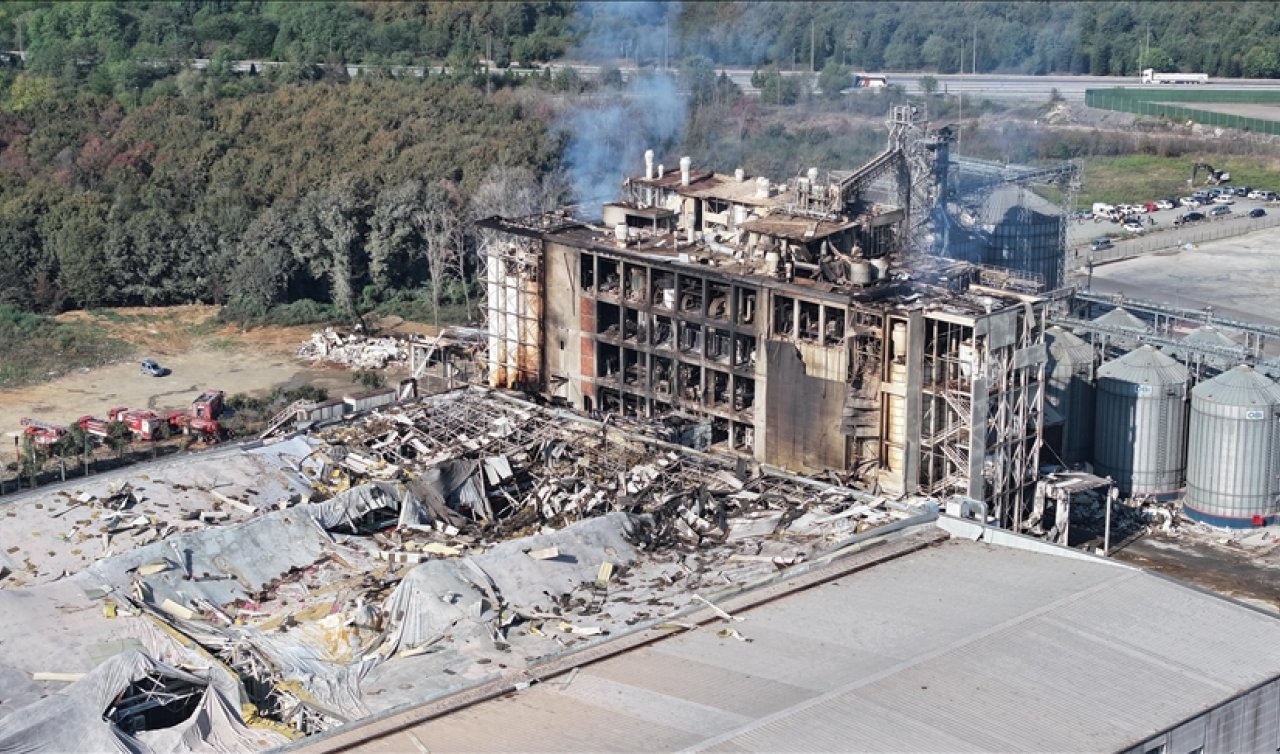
{"points": [[402, 556]]}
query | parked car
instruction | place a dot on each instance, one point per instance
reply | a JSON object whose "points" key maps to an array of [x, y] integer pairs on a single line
{"points": [[1257, 212], [151, 368], [1134, 226], [1243, 191], [1100, 243], [1224, 199], [1189, 202], [1191, 217], [1253, 194], [1219, 211], [1165, 204], [1266, 196]]}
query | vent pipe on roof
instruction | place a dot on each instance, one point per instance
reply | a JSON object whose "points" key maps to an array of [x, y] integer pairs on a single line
{"points": [[740, 175], [685, 164], [662, 170], [648, 164], [762, 188], [813, 177]]}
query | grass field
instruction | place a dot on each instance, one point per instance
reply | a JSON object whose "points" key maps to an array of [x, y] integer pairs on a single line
{"points": [[1139, 178], [36, 347]]}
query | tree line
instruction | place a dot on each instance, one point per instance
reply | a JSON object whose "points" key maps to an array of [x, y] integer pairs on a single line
{"points": [[345, 193], [1223, 39]]}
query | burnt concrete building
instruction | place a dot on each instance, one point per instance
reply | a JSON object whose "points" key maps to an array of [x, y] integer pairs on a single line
{"points": [[795, 321]]}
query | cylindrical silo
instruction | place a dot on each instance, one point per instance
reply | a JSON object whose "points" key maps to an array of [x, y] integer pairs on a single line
{"points": [[1140, 425], [1068, 396], [1233, 450]]}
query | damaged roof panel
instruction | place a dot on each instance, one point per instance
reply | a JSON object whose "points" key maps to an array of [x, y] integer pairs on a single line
{"points": [[1047, 642], [452, 540]]}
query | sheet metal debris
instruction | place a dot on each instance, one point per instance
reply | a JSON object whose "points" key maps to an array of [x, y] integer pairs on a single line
{"points": [[430, 544]]}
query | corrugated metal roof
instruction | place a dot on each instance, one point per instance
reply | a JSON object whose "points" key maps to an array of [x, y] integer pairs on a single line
{"points": [[1210, 336], [962, 647], [1241, 386], [1121, 317], [1145, 366]]}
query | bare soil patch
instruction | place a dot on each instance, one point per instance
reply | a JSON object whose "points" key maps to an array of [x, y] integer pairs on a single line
{"points": [[201, 353]]}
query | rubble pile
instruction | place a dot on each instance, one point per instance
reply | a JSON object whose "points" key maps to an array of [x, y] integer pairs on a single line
{"points": [[462, 535], [353, 350]]}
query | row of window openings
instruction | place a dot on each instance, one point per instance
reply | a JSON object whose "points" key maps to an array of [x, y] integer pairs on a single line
{"points": [[689, 382], [685, 337], [808, 321], [688, 298], [742, 437]]}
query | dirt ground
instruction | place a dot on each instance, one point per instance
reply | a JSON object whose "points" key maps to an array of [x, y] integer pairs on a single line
{"points": [[201, 353], [1218, 562]]}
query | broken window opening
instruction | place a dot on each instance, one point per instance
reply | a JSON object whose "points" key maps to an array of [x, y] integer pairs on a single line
{"points": [[610, 280], [664, 292], [608, 361], [746, 306], [633, 368], [719, 345], [690, 338], [588, 273], [719, 430], [661, 376], [662, 332], [689, 382], [809, 321], [834, 330], [784, 309], [608, 319], [718, 301], [744, 352], [744, 436], [719, 389], [637, 284], [744, 394], [631, 328], [691, 296]]}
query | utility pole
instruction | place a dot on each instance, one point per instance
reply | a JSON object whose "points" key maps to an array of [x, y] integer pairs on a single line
{"points": [[813, 55]]}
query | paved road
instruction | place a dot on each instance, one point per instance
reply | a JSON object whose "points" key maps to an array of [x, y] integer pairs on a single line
{"points": [[994, 86]]}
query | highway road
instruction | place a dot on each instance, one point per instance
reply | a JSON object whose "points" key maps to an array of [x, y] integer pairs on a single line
{"points": [[988, 85]]}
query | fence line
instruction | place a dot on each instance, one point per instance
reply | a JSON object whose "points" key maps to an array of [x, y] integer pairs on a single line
{"points": [[1172, 238], [1156, 103]]}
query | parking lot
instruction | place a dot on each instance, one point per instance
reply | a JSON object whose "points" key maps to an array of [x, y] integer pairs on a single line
{"points": [[1238, 276], [1082, 231]]}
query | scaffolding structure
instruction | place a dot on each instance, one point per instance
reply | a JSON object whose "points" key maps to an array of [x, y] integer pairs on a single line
{"points": [[983, 408]]}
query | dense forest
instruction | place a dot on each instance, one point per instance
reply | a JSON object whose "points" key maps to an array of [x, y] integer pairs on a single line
{"points": [[128, 177], [1223, 39]]}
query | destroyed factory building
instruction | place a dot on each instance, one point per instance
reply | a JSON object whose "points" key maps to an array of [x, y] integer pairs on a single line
{"points": [[773, 495], [886, 323]]}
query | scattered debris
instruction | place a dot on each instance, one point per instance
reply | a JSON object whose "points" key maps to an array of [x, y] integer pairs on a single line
{"points": [[353, 350]]}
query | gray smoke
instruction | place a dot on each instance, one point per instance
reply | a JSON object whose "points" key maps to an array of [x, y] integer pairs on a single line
{"points": [[608, 133]]}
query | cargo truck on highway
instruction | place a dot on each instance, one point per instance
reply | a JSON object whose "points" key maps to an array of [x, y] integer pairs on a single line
{"points": [[1149, 76]]}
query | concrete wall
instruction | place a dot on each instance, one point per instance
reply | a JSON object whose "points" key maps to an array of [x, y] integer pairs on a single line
{"points": [[562, 347], [803, 406]]}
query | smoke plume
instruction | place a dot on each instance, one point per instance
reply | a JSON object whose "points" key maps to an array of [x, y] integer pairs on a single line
{"points": [[609, 132]]}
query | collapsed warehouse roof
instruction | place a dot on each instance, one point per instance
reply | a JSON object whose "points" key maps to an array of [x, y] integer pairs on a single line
{"points": [[450, 540]]}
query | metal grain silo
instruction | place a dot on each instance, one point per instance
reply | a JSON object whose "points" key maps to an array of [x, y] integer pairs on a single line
{"points": [[1068, 397], [1140, 425], [1130, 329], [1233, 450]]}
